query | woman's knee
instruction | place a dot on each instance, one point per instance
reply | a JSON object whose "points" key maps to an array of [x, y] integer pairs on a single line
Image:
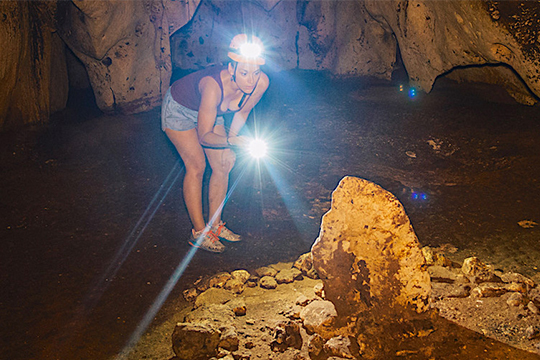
{"points": [[196, 169], [222, 169]]}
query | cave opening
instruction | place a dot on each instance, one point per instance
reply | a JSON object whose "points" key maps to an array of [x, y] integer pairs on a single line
{"points": [[81, 94], [498, 82]]}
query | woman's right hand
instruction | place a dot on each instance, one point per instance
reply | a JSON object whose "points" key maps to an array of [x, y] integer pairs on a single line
{"points": [[240, 141]]}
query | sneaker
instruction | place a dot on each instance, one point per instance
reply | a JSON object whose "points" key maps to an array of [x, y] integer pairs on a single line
{"points": [[206, 240], [225, 234]]}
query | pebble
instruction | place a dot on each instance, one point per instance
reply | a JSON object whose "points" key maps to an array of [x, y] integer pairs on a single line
{"points": [[533, 308], [532, 332], [516, 299]]}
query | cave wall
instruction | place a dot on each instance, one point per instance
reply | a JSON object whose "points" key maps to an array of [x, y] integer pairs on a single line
{"points": [[359, 38], [32, 66], [125, 46], [340, 37], [436, 36]]}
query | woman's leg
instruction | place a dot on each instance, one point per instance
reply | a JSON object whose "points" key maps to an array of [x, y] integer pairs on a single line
{"points": [[221, 161], [191, 152]]}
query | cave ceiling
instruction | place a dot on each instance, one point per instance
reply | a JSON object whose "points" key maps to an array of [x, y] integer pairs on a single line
{"points": [[130, 48]]}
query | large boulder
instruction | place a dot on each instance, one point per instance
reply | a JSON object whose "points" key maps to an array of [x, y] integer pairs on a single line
{"points": [[367, 253], [372, 267], [195, 341]]}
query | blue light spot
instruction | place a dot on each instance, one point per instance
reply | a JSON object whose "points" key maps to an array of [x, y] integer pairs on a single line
{"points": [[412, 92], [419, 196]]}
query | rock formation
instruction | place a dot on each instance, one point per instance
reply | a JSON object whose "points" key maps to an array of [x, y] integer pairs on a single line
{"points": [[126, 46], [367, 253], [33, 69], [437, 36], [370, 262]]}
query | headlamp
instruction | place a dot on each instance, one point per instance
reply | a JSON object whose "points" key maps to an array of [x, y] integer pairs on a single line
{"points": [[257, 148], [250, 50]]}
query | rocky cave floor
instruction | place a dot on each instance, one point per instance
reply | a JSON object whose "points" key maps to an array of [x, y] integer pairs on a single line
{"points": [[94, 224]]}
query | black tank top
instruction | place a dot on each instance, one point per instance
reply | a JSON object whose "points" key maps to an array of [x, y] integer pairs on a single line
{"points": [[185, 91]]}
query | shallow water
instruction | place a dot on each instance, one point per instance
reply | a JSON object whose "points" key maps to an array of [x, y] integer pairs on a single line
{"points": [[89, 190]]}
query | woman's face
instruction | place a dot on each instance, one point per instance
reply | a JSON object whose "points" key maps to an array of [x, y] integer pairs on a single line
{"points": [[247, 76]]}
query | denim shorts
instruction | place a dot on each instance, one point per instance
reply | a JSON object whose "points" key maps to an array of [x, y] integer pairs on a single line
{"points": [[178, 117]]}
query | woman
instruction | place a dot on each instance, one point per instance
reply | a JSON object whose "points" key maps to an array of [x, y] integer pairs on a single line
{"points": [[192, 117]]}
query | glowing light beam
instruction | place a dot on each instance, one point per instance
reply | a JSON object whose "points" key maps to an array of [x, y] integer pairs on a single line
{"points": [[173, 279]]}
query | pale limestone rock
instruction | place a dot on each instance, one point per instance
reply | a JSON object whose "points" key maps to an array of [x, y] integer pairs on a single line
{"points": [[268, 282], [316, 346], [213, 313], [446, 290], [533, 308], [237, 286], [517, 278], [195, 340], [224, 355], [304, 263], [339, 346], [429, 255], [242, 275], [367, 253], [293, 312], [238, 306], [266, 271], [477, 271], [534, 295], [213, 296], [460, 291], [442, 274], [252, 281], [190, 294], [489, 289], [442, 260], [229, 339], [302, 300], [515, 299], [219, 280], [287, 276], [202, 284], [318, 317], [242, 355], [532, 332], [312, 274], [319, 290], [286, 335]]}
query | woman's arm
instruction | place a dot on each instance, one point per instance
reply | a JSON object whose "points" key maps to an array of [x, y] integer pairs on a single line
{"points": [[206, 119], [240, 117]]}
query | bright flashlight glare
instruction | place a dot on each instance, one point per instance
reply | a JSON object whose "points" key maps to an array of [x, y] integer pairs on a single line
{"points": [[257, 148], [250, 50]]}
